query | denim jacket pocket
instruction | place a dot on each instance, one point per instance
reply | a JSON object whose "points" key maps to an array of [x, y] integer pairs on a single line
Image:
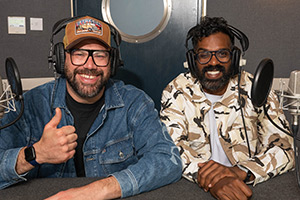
{"points": [[117, 155]]}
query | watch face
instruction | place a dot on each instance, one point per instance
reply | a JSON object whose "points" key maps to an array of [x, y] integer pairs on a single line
{"points": [[29, 154]]}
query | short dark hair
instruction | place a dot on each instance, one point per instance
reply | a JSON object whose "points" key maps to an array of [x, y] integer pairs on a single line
{"points": [[209, 26]]}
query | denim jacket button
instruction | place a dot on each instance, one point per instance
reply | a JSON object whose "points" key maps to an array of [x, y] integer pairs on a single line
{"points": [[104, 150], [121, 154]]}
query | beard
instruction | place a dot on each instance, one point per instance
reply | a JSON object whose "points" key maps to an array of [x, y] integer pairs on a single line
{"points": [[86, 90], [214, 84]]}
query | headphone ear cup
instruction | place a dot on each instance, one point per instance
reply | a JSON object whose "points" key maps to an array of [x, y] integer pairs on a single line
{"points": [[116, 61], [190, 58], [59, 57], [235, 62], [113, 64]]}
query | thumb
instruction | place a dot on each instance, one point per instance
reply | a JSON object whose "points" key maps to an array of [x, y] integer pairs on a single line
{"points": [[56, 119]]}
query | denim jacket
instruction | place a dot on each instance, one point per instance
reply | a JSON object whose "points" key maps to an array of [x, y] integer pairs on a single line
{"points": [[127, 139]]}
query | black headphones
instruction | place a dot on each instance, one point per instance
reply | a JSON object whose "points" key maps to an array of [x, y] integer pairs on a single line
{"points": [[236, 52], [56, 58]]}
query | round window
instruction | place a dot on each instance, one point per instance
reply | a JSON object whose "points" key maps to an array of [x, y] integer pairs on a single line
{"points": [[137, 20]]}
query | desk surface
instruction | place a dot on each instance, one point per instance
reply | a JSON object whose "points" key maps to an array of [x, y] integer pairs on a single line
{"points": [[282, 187]]}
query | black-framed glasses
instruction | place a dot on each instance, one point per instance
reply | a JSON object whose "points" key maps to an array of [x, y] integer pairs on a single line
{"points": [[222, 55], [80, 56]]}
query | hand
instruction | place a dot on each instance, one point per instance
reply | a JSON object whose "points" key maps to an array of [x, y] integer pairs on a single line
{"points": [[211, 172], [231, 188], [107, 188], [57, 145]]}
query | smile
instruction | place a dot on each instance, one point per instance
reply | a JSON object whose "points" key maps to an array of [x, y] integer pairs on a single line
{"points": [[216, 74], [213, 72], [87, 76]]}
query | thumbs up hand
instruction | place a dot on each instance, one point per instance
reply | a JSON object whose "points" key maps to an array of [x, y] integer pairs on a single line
{"points": [[57, 145]]}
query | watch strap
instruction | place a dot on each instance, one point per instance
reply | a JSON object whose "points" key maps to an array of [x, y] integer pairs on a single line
{"points": [[34, 163]]}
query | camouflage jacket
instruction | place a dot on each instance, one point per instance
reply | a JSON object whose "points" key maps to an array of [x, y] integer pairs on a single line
{"points": [[184, 110]]}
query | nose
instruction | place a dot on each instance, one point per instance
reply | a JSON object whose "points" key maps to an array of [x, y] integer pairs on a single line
{"points": [[214, 60], [90, 63]]}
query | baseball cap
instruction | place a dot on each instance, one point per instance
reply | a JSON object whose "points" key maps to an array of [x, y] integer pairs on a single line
{"points": [[86, 28]]}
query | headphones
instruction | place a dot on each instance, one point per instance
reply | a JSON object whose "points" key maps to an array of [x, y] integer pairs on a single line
{"points": [[56, 58], [236, 52]]}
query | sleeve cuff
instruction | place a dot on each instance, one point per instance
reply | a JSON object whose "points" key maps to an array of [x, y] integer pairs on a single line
{"points": [[128, 183], [9, 165], [247, 171]]}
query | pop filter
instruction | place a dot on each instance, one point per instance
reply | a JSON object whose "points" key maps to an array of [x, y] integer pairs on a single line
{"points": [[14, 80], [13, 77], [262, 82]]}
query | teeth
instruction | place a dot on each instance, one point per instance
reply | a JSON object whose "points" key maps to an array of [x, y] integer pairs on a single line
{"points": [[87, 76], [213, 72]]}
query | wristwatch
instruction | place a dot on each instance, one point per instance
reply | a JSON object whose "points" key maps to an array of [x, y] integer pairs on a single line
{"points": [[30, 155], [249, 173]]}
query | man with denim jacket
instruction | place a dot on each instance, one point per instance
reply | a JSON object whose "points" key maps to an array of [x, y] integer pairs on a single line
{"points": [[87, 124]]}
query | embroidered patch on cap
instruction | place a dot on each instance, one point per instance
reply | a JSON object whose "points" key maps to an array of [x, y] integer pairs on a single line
{"points": [[88, 26]]}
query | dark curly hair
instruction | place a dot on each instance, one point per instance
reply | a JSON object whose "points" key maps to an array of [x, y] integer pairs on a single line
{"points": [[207, 27]]}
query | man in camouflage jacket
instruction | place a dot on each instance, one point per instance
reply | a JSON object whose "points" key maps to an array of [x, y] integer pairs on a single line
{"points": [[185, 111]]}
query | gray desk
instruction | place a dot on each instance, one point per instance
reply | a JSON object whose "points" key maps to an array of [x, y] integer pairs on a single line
{"points": [[283, 187]]}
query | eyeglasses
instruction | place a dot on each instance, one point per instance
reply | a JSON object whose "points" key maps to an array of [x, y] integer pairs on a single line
{"points": [[222, 55], [80, 56]]}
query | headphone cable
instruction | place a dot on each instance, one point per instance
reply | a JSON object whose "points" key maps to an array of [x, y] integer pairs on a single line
{"points": [[242, 113]]}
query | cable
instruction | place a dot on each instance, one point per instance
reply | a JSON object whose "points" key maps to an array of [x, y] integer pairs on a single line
{"points": [[295, 131], [242, 113], [286, 132]]}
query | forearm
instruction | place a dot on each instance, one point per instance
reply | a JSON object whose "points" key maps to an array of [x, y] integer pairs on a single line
{"points": [[107, 188]]}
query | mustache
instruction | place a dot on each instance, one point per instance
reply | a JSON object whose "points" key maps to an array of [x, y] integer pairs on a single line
{"points": [[218, 67], [91, 72]]}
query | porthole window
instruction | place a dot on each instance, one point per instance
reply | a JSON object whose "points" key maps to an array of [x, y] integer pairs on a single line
{"points": [[137, 20]]}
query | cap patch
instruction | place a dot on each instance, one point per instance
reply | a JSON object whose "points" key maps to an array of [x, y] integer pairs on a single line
{"points": [[88, 26]]}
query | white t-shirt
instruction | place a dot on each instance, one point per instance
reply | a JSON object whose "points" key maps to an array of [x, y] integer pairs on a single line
{"points": [[217, 152]]}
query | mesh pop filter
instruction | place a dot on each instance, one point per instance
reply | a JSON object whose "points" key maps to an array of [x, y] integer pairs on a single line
{"points": [[262, 82], [13, 77]]}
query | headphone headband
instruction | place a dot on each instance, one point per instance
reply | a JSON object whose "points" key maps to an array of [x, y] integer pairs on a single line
{"points": [[56, 57], [241, 37]]}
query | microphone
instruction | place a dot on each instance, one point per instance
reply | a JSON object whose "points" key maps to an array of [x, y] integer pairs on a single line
{"points": [[292, 101], [12, 92], [293, 96], [292, 104]]}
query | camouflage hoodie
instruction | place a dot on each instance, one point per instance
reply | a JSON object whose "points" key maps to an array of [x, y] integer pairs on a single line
{"points": [[184, 110]]}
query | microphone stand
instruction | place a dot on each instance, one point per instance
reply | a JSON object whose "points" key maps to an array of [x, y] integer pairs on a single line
{"points": [[18, 117], [295, 128]]}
